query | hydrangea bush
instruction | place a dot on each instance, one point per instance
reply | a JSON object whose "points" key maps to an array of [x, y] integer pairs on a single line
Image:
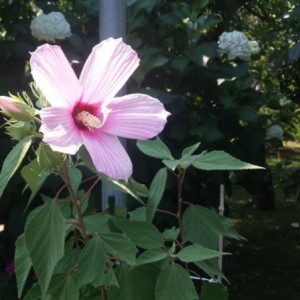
{"points": [[77, 251], [50, 27], [235, 44]]}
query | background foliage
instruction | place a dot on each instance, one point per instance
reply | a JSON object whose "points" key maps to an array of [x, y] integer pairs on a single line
{"points": [[225, 105]]}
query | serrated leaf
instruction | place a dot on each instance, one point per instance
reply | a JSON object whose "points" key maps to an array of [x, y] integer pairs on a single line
{"points": [[220, 160], [139, 188], [139, 214], [151, 255], [120, 247], [155, 148], [63, 286], [156, 191], [68, 261], [12, 162], [213, 291], [97, 223], [91, 263], [44, 238], [196, 252], [121, 291], [143, 234], [203, 226], [123, 187], [47, 158], [34, 177], [146, 277], [210, 267], [171, 234], [34, 293], [135, 283], [175, 283], [22, 264], [75, 178], [190, 150], [171, 164]]}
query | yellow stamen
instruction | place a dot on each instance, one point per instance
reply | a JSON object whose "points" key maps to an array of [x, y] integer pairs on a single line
{"points": [[90, 121]]}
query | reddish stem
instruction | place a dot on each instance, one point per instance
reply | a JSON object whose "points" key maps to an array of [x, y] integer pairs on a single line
{"points": [[66, 178]]}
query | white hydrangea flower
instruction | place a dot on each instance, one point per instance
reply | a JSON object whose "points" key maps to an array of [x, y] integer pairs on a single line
{"points": [[254, 47], [275, 131], [50, 27], [235, 44]]}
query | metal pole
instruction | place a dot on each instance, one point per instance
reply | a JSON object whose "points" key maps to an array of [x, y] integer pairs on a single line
{"points": [[112, 23], [221, 238]]}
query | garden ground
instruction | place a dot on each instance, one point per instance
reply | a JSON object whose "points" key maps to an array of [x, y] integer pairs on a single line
{"points": [[267, 264]]}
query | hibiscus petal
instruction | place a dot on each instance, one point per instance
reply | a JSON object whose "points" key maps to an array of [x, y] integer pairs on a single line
{"points": [[107, 69], [59, 130], [135, 116], [54, 76], [108, 155]]}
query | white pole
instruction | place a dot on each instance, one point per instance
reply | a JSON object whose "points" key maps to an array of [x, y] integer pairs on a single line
{"points": [[112, 23]]}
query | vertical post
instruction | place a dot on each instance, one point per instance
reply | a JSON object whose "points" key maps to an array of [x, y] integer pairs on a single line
{"points": [[221, 238], [112, 23]]}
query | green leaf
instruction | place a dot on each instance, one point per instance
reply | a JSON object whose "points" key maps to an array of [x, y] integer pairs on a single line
{"points": [[156, 191], [210, 267], [175, 283], [125, 187], [213, 291], [34, 177], [171, 164], [202, 3], [139, 188], [12, 162], [203, 226], [91, 263], [88, 292], [187, 156], [97, 223], [196, 252], [19, 130], [120, 247], [141, 282], [34, 293], [190, 150], [75, 178], [63, 286], [68, 261], [121, 291], [171, 234], [143, 234], [155, 148], [220, 160], [44, 238], [22, 263], [151, 255], [47, 158], [135, 283], [139, 214]]}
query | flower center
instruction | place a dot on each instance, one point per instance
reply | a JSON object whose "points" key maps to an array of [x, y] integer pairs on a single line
{"points": [[86, 119]]}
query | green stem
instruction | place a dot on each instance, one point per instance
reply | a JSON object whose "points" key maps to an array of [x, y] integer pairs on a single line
{"points": [[180, 179], [84, 198]]}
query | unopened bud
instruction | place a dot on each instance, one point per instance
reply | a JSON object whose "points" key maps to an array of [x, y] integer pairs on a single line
{"points": [[16, 109]]}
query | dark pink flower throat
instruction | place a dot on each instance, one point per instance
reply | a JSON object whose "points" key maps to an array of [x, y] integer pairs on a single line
{"points": [[85, 117]]}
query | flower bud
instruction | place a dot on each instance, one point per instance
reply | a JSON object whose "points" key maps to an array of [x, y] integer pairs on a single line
{"points": [[16, 109]]}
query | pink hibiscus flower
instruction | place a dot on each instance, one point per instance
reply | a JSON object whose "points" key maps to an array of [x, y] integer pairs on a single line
{"points": [[86, 112]]}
